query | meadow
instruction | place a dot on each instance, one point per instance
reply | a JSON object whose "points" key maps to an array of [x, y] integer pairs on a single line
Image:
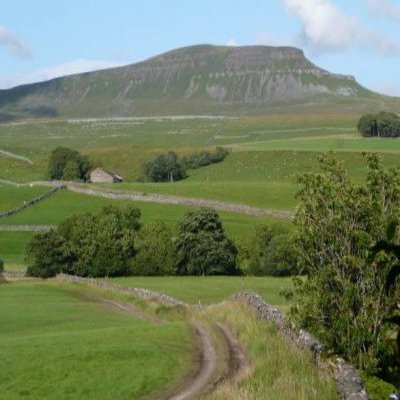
{"points": [[92, 351], [13, 196], [268, 153], [12, 249], [87, 348]]}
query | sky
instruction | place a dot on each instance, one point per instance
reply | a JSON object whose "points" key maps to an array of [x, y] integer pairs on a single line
{"points": [[43, 39]]}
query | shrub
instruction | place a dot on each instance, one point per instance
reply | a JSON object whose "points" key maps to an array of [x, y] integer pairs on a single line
{"points": [[204, 158], [202, 246]]}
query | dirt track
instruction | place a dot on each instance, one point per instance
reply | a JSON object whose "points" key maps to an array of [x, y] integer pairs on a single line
{"points": [[212, 368]]}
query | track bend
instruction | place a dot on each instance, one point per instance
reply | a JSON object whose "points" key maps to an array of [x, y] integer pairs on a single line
{"points": [[212, 368]]}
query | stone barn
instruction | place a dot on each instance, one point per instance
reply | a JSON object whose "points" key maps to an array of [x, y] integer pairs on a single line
{"points": [[101, 175]]}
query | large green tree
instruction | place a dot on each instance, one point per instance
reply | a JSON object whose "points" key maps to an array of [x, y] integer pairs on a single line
{"points": [[164, 168], [271, 252], [95, 245], [343, 300], [382, 124], [47, 255], [68, 164], [102, 244], [156, 252], [202, 246]]}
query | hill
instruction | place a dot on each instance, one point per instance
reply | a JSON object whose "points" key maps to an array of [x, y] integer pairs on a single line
{"points": [[196, 80]]}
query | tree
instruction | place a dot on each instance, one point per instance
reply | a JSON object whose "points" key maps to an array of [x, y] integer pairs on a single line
{"points": [[71, 171], [102, 244], [202, 246], [1, 266], [65, 162], [47, 255], [164, 168], [343, 299], [156, 251], [382, 124]]}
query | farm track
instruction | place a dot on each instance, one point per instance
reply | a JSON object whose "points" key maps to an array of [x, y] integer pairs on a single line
{"points": [[212, 367], [16, 156]]}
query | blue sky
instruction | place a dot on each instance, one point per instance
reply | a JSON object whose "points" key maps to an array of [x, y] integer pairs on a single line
{"points": [[41, 39]]}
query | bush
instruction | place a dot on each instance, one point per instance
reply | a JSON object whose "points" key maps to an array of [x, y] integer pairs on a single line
{"points": [[204, 158], [377, 389], [202, 247], [156, 252], [272, 252], [68, 164], [1, 266]]}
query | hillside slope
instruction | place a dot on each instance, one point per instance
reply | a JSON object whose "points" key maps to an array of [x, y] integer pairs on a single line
{"points": [[201, 79]]}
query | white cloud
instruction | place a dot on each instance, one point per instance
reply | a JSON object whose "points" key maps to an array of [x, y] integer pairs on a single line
{"points": [[13, 45], [44, 74], [327, 28], [384, 8], [232, 42]]}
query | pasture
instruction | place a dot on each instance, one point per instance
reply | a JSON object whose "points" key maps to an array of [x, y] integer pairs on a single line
{"points": [[12, 249], [13, 196], [268, 153], [59, 342]]}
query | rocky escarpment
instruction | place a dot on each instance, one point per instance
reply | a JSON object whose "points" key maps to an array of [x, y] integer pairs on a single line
{"points": [[192, 80]]}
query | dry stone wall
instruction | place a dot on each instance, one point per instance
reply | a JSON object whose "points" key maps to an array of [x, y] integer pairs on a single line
{"points": [[187, 201], [348, 381], [30, 202], [137, 292]]}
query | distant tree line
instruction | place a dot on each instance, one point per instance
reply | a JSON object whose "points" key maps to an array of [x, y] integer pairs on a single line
{"points": [[69, 165], [170, 168], [114, 242], [382, 124]]}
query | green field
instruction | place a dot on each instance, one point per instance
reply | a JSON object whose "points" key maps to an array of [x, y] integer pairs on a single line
{"points": [[64, 204], [56, 342], [268, 153], [12, 249], [212, 289], [12, 196]]}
